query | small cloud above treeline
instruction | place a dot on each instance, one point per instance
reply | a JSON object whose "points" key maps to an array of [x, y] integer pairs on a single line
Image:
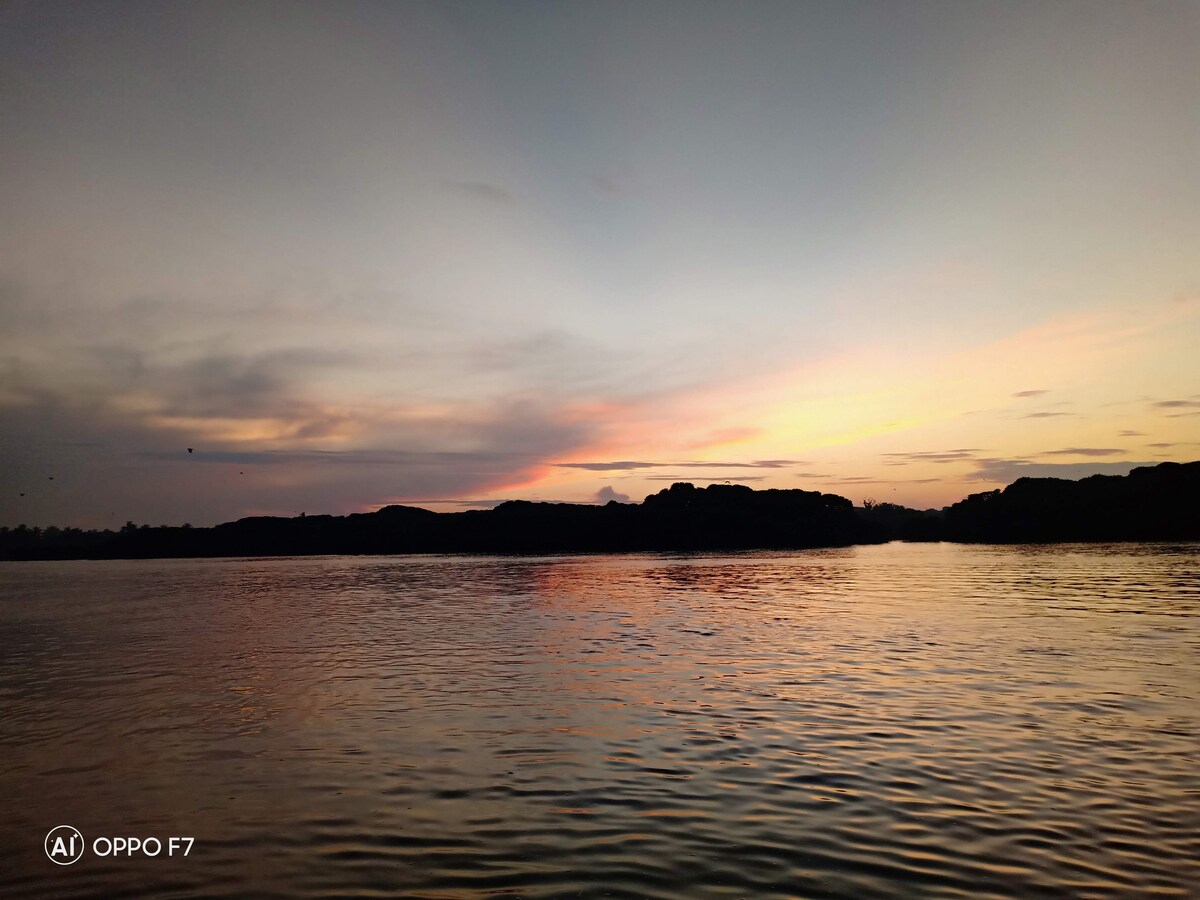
{"points": [[606, 494]]}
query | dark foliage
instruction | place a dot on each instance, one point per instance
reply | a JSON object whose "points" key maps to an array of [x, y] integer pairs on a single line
{"points": [[1150, 503], [904, 524], [1156, 503], [682, 517]]}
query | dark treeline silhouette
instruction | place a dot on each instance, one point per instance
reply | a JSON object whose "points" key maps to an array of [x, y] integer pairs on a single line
{"points": [[1153, 503], [682, 517], [902, 523]]}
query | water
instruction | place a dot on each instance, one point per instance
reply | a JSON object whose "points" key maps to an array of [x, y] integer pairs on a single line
{"points": [[894, 721]]}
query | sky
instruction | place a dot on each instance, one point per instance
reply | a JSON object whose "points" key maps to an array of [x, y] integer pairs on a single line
{"points": [[450, 254]]}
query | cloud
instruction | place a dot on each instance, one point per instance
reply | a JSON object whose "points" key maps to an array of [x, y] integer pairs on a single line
{"points": [[199, 386], [1189, 407], [1005, 471], [944, 456], [1127, 433], [1045, 415], [330, 413], [607, 494], [517, 425], [549, 361], [757, 464], [463, 504], [626, 464], [605, 184], [1083, 451], [735, 478], [481, 190], [1036, 393], [620, 465], [234, 385], [109, 467], [378, 457]]}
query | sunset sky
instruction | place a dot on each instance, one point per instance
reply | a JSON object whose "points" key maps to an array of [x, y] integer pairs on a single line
{"points": [[448, 254]]}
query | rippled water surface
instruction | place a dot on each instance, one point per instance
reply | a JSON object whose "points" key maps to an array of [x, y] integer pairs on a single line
{"points": [[895, 721]]}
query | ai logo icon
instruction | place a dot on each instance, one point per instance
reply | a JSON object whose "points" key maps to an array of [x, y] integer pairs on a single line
{"points": [[64, 845]]}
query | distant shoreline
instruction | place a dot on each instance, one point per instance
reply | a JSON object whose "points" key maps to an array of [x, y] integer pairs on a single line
{"points": [[1153, 503], [586, 554]]}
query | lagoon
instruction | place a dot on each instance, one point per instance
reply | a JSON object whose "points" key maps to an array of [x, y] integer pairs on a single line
{"points": [[900, 720]]}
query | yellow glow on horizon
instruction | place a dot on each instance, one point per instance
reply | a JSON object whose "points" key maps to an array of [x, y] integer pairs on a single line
{"points": [[962, 397]]}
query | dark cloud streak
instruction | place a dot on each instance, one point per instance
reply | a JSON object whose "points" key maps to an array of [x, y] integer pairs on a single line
{"points": [[945, 456], [1083, 451], [623, 465], [482, 190]]}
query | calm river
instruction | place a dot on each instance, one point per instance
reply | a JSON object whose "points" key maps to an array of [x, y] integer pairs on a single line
{"points": [[892, 721]]}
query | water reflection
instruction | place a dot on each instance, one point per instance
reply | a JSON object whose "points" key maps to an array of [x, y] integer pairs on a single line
{"points": [[929, 720]]}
